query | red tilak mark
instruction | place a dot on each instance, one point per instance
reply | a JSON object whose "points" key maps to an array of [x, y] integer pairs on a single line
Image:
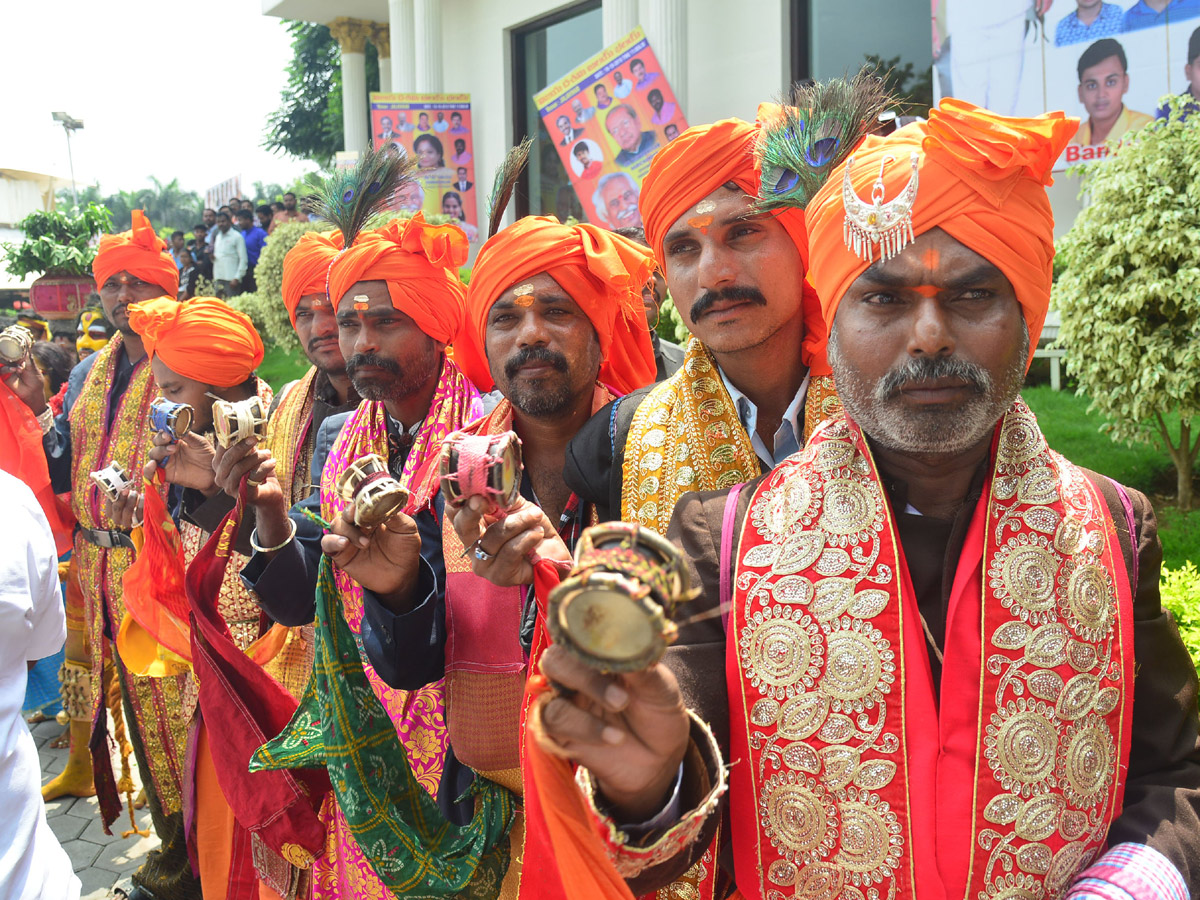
{"points": [[931, 259], [701, 222], [926, 290]]}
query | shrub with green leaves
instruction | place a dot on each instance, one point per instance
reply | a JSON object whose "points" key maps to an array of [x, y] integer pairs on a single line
{"points": [[56, 243], [1129, 289], [1180, 590]]}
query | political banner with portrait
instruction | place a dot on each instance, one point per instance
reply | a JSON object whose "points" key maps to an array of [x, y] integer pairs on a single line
{"points": [[437, 130], [1109, 63], [608, 118]]}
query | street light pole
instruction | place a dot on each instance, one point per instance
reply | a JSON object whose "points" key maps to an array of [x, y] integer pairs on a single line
{"points": [[69, 124]]}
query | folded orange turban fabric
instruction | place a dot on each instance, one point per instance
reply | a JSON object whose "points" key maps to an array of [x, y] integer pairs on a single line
{"points": [[981, 178], [695, 164], [203, 339], [306, 267], [138, 251], [601, 271], [420, 264]]}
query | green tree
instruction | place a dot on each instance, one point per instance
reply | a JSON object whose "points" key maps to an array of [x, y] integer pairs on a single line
{"points": [[1129, 290], [308, 124], [913, 88], [167, 205]]}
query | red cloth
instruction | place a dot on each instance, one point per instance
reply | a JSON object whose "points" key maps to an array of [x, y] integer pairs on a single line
{"points": [[601, 271], [204, 339], [306, 267], [140, 252], [420, 264], [24, 458], [695, 164], [982, 180]]}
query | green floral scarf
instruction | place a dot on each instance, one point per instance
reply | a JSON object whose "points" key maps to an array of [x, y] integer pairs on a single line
{"points": [[341, 725]]}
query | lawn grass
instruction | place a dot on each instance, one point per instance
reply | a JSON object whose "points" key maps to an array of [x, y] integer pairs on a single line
{"points": [[279, 366], [1075, 433]]}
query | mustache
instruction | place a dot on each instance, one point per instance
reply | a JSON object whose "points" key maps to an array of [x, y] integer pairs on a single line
{"points": [[313, 342], [928, 368], [361, 360], [534, 354], [736, 292]]}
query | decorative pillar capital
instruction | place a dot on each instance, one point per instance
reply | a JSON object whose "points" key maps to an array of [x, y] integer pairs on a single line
{"points": [[351, 34], [381, 37]]}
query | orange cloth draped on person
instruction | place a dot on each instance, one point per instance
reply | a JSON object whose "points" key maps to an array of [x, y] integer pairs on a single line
{"points": [[24, 458], [204, 339], [601, 271], [306, 267], [695, 164], [208, 341], [982, 180], [418, 261], [138, 251]]}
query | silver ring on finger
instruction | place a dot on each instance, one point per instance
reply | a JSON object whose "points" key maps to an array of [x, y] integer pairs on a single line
{"points": [[481, 554]]}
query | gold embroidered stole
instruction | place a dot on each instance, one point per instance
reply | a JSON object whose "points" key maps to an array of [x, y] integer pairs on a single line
{"points": [[162, 706], [850, 780], [289, 438], [686, 436]]}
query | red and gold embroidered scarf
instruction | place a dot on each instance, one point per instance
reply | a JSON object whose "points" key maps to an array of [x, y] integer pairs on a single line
{"points": [[848, 779]]}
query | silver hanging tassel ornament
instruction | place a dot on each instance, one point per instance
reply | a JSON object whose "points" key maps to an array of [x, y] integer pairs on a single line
{"points": [[890, 224]]}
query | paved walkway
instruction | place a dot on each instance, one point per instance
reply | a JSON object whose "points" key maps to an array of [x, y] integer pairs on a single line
{"points": [[101, 861]]}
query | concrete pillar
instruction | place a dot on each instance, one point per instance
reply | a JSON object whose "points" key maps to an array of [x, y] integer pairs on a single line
{"points": [[351, 35], [666, 29], [400, 25], [427, 34], [620, 17], [383, 46]]}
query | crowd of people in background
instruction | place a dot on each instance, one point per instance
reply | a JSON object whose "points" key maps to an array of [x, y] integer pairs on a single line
{"points": [[226, 244]]}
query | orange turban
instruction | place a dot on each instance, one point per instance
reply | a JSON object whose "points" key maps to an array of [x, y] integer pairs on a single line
{"points": [[420, 264], [981, 178], [695, 164], [306, 267], [203, 339], [601, 271], [140, 252]]}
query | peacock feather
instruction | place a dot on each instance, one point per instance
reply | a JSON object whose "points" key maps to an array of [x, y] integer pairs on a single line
{"points": [[506, 180], [349, 198], [819, 127]]}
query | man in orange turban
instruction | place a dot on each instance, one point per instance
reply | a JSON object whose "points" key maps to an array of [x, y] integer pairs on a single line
{"points": [[738, 281], [302, 406], [399, 304], [933, 618], [200, 349], [104, 421]]}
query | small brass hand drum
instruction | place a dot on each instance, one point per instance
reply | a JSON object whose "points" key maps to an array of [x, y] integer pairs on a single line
{"points": [[235, 422], [111, 480], [15, 342], [171, 419], [482, 465], [614, 609], [376, 495]]}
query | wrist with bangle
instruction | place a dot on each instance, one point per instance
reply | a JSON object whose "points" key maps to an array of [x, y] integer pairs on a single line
{"points": [[258, 548]]}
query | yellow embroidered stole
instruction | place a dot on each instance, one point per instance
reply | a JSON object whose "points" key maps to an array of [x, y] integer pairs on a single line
{"points": [[686, 436], [162, 706], [290, 438], [851, 780]]}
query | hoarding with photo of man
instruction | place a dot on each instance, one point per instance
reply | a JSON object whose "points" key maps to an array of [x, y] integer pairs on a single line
{"points": [[437, 130], [1109, 63], [607, 119]]}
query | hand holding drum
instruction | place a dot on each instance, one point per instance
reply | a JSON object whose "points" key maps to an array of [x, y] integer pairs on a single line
{"points": [[375, 495]]}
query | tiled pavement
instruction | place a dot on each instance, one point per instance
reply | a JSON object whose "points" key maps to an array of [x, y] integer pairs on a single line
{"points": [[101, 861]]}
